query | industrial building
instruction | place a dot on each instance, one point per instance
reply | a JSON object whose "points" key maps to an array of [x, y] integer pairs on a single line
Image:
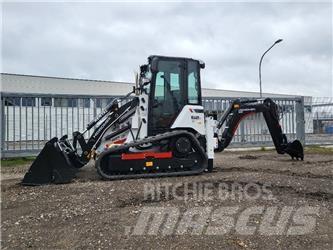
{"points": [[46, 85]]}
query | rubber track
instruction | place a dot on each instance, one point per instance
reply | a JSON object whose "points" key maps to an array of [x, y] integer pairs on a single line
{"points": [[151, 139]]}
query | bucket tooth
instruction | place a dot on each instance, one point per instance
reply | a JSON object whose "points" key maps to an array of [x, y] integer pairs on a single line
{"points": [[295, 150], [52, 165]]}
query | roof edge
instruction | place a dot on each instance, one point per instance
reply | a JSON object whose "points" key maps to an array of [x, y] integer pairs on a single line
{"points": [[65, 78]]}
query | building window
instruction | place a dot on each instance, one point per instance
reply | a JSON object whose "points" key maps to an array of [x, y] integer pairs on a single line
{"points": [[85, 103], [65, 102], [98, 103], [308, 108], [46, 101], [12, 101], [287, 108], [102, 102], [71, 102], [59, 102], [29, 101]]}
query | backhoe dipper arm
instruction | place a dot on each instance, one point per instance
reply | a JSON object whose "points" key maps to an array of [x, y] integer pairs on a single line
{"points": [[239, 109]]}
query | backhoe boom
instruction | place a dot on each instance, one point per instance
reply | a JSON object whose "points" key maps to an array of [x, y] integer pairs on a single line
{"points": [[240, 109]]}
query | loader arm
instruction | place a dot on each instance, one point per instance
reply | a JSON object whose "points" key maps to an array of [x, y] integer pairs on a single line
{"points": [[59, 159], [113, 114], [240, 109]]}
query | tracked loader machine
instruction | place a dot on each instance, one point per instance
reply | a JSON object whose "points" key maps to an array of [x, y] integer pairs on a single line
{"points": [[162, 131]]}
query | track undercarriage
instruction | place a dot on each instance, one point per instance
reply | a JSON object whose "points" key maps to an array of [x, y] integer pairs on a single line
{"points": [[179, 153]]}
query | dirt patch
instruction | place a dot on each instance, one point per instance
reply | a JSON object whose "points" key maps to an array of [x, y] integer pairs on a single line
{"points": [[248, 157], [13, 172], [91, 213]]}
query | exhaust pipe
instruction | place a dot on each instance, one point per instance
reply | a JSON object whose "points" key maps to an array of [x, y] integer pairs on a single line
{"points": [[52, 165]]}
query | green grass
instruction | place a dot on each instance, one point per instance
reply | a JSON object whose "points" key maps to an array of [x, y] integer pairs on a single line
{"points": [[318, 150], [19, 161]]}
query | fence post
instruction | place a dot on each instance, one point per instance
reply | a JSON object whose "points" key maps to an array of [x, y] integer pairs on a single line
{"points": [[242, 131], [3, 124], [300, 121]]}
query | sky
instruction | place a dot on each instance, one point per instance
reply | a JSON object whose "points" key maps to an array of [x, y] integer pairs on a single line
{"points": [[109, 40]]}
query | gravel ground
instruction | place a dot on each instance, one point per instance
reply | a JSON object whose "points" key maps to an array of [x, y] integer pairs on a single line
{"points": [[90, 213]]}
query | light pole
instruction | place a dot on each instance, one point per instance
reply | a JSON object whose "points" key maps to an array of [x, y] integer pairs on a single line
{"points": [[276, 42]]}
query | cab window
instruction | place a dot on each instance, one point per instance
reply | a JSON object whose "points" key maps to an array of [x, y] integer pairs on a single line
{"points": [[193, 82]]}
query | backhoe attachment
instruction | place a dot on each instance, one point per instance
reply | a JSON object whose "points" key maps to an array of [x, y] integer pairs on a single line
{"points": [[240, 109]]}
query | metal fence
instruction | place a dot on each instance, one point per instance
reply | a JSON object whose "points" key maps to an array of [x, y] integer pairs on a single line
{"points": [[319, 121], [28, 121]]}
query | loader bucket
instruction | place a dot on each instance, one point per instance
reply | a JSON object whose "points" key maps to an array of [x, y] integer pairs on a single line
{"points": [[52, 165], [295, 150]]}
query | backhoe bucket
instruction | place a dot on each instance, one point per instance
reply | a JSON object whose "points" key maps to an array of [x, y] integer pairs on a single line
{"points": [[52, 165], [295, 150]]}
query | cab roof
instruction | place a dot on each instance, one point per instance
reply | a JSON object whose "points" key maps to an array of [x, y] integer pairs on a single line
{"points": [[175, 57]]}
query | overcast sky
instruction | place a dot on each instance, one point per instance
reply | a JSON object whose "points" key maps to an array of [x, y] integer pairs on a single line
{"points": [[108, 41]]}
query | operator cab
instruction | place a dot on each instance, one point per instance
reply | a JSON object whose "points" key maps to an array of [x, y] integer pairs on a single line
{"points": [[175, 82]]}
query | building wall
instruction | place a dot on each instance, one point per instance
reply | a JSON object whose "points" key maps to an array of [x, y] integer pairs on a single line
{"points": [[14, 83], [62, 86]]}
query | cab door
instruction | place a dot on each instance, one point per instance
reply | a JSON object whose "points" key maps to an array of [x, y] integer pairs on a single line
{"points": [[166, 95]]}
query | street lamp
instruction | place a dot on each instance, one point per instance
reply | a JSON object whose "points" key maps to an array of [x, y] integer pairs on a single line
{"points": [[276, 42]]}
